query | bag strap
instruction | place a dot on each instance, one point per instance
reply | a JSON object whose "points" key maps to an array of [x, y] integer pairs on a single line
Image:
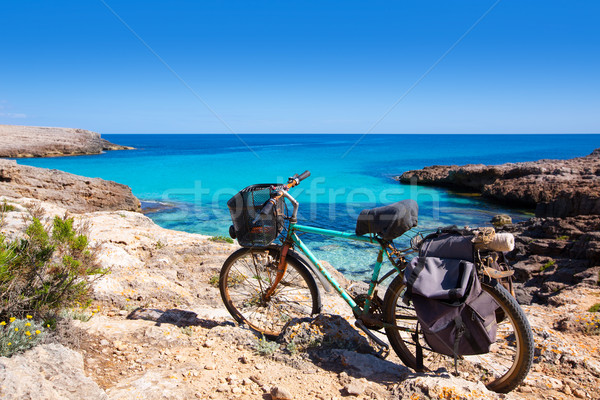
{"points": [[410, 281], [419, 349], [460, 331]]}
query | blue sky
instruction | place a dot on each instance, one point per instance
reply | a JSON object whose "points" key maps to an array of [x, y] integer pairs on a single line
{"points": [[301, 66]]}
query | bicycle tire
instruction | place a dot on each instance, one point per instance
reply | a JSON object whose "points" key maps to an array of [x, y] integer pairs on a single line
{"points": [[245, 277], [514, 343]]}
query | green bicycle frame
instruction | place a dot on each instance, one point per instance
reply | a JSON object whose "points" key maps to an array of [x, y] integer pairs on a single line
{"points": [[293, 228]]}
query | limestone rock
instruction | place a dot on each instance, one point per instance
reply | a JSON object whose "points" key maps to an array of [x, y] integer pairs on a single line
{"points": [[37, 141], [75, 193], [555, 188], [154, 385], [323, 331], [552, 254], [367, 365], [446, 387], [355, 388], [48, 371], [280, 393], [501, 219]]}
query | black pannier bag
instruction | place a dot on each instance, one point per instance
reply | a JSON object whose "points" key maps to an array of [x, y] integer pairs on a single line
{"points": [[457, 317], [249, 227]]}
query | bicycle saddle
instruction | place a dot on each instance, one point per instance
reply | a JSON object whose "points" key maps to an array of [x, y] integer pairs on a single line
{"points": [[389, 221]]}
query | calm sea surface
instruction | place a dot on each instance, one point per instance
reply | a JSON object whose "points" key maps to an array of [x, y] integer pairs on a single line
{"points": [[196, 174]]}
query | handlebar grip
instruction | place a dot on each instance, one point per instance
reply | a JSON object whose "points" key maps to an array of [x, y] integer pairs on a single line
{"points": [[266, 210], [304, 175]]}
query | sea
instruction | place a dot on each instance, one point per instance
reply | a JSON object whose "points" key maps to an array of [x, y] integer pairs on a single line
{"points": [[185, 180]]}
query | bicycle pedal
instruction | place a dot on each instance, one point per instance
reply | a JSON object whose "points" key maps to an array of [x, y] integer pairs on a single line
{"points": [[383, 353], [384, 347]]}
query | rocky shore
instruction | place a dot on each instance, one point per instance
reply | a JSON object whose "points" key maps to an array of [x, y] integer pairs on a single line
{"points": [[554, 188], [73, 192], [35, 141]]}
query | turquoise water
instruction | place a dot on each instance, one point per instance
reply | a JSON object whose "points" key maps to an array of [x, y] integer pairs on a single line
{"points": [[197, 174]]}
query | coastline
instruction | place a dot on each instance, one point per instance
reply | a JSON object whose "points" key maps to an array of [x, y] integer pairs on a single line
{"points": [[18, 141], [162, 329]]}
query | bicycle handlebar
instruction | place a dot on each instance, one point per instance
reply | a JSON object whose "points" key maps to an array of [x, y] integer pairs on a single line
{"points": [[268, 207], [296, 179], [269, 204]]}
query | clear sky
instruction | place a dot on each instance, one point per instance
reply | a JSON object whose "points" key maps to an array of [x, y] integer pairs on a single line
{"points": [[302, 66]]}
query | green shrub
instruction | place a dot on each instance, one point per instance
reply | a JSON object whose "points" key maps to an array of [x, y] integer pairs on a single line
{"points": [[595, 308], [547, 265], [5, 207], [17, 335], [47, 270], [265, 347], [214, 280], [223, 239], [83, 314], [293, 348], [563, 237]]}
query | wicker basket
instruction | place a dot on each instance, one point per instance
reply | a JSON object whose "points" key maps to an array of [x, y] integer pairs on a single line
{"points": [[246, 205]]}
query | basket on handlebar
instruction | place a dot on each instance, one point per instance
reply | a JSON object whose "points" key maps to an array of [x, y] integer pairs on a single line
{"points": [[245, 207]]}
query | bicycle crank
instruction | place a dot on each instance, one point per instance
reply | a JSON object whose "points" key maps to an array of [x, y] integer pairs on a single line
{"points": [[384, 347]]}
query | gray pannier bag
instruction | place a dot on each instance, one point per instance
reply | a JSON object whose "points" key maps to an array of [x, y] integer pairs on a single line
{"points": [[457, 317]]}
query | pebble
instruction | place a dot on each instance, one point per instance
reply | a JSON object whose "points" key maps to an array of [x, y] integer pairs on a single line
{"points": [[579, 393], [567, 390], [355, 388], [223, 388], [280, 393], [236, 390], [259, 367], [525, 389], [210, 367], [246, 382], [104, 342], [256, 380]]}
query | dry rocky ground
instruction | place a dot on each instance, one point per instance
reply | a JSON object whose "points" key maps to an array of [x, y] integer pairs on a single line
{"points": [[162, 333]]}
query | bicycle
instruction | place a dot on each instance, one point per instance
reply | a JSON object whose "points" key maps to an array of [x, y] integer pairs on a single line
{"points": [[272, 281]]}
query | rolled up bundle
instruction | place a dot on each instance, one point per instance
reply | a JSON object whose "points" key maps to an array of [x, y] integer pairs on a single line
{"points": [[501, 242]]}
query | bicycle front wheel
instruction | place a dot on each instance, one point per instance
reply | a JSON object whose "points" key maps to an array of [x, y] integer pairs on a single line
{"points": [[246, 277], [502, 369]]}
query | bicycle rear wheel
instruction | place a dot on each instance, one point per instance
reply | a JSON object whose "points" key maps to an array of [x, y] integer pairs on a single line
{"points": [[502, 369], [247, 275]]}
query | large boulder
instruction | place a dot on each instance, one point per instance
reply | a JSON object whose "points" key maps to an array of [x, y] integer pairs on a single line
{"points": [[51, 372]]}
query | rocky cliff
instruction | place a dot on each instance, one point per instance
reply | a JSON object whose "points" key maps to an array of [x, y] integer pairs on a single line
{"points": [[34, 141], [555, 188], [73, 192]]}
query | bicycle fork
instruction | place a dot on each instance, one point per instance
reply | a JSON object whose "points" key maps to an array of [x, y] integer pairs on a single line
{"points": [[281, 269]]}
